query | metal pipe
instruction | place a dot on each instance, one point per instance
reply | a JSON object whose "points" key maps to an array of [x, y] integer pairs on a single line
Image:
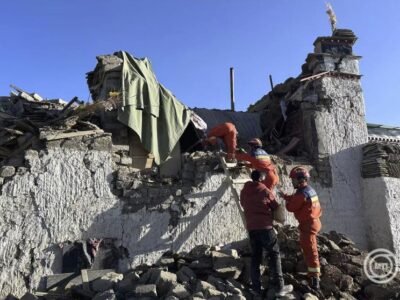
{"points": [[271, 83], [232, 74]]}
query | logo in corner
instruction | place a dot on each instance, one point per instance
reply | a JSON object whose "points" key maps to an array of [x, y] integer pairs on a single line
{"points": [[380, 266]]}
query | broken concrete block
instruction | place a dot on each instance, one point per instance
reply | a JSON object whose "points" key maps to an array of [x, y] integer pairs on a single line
{"points": [[226, 266], [202, 286], [210, 293], [116, 158], [185, 274], [101, 142], [126, 160], [26, 96], [29, 296], [309, 296], [230, 252], [201, 263], [145, 290], [168, 262], [106, 281], [164, 282], [129, 282], [179, 291], [199, 251], [162, 279], [7, 171], [346, 283], [106, 295], [37, 97]]}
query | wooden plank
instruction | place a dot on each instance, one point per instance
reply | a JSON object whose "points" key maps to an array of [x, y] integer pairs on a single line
{"points": [[85, 279], [73, 279], [314, 76], [240, 180], [65, 135]]}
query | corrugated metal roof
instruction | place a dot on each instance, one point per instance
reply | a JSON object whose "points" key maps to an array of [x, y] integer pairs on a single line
{"points": [[247, 124], [377, 132]]}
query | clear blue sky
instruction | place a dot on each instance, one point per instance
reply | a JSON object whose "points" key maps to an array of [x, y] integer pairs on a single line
{"points": [[47, 46]]}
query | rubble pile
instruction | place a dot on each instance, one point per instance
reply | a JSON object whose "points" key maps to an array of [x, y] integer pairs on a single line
{"points": [[147, 188], [285, 110], [381, 160], [221, 272], [29, 122]]}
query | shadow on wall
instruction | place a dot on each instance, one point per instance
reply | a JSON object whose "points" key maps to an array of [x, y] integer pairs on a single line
{"points": [[342, 203], [146, 234]]}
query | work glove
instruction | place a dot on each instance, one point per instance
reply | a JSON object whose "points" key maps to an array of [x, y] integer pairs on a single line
{"points": [[241, 150]]}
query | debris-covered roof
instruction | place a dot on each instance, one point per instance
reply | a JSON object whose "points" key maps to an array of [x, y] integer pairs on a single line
{"points": [[247, 123]]}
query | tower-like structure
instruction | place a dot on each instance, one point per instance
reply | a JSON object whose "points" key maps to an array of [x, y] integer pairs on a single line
{"points": [[335, 128]]}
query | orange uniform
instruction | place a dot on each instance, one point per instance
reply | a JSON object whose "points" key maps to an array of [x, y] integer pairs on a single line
{"points": [[227, 132], [260, 160], [305, 205]]}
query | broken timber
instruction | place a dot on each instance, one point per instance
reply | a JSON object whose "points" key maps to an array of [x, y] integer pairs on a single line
{"points": [[65, 135]]}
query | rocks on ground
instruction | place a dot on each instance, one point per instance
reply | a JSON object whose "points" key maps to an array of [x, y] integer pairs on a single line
{"points": [[223, 273]]}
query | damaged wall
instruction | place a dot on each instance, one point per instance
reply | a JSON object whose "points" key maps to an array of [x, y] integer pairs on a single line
{"points": [[324, 109], [68, 195], [382, 210]]}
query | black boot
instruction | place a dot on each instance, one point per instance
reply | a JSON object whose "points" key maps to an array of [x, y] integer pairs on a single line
{"points": [[314, 283]]}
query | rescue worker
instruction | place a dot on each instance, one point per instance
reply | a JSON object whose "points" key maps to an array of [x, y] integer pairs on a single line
{"points": [[305, 205], [260, 160], [258, 202], [228, 133]]}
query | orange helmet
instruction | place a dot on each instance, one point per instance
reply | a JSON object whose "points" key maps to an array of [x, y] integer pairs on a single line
{"points": [[255, 142], [299, 173]]}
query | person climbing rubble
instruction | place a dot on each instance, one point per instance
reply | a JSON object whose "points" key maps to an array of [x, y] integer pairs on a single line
{"points": [[258, 203], [228, 133], [304, 203], [260, 160]]}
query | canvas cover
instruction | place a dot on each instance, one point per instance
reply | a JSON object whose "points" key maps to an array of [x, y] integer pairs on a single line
{"points": [[149, 109]]}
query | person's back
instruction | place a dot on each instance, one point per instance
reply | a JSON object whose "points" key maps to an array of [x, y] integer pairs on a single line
{"points": [[261, 161], [258, 203], [228, 133]]}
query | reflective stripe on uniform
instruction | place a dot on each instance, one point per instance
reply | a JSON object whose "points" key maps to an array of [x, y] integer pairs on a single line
{"points": [[263, 157], [313, 270], [314, 198]]}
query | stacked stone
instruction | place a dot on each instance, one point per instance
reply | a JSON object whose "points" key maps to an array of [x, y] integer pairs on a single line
{"points": [[224, 273], [381, 160], [147, 189]]}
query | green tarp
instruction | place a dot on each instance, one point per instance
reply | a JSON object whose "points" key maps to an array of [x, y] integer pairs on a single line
{"points": [[150, 109]]}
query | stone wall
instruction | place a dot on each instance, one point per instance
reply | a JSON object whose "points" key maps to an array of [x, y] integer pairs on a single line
{"points": [[382, 211], [69, 194], [341, 130]]}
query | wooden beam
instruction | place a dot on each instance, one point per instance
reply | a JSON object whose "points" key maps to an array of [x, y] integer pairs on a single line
{"points": [[65, 135], [85, 280]]}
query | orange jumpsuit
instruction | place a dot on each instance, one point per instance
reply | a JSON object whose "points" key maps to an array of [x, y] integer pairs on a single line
{"points": [[305, 205], [227, 132], [261, 161]]}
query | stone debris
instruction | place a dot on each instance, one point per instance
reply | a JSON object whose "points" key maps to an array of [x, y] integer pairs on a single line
{"points": [[27, 120], [222, 273], [381, 160]]}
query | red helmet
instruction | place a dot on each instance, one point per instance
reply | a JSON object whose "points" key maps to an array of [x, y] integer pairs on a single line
{"points": [[255, 142], [299, 173]]}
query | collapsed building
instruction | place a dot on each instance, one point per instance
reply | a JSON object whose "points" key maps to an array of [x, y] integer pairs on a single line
{"points": [[119, 182]]}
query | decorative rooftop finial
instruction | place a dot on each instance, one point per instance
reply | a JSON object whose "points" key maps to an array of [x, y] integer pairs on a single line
{"points": [[332, 16]]}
